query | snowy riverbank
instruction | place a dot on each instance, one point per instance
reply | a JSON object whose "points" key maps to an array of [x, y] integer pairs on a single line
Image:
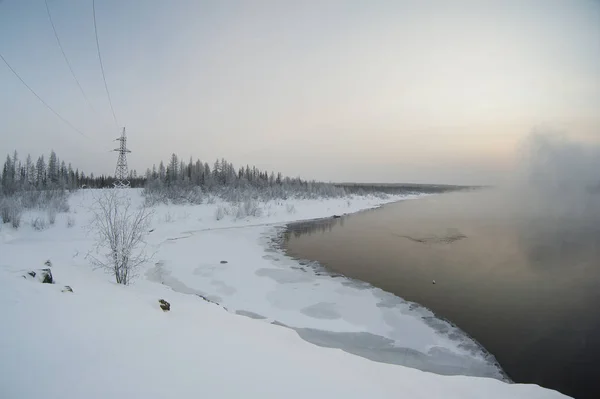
{"points": [[105, 340]]}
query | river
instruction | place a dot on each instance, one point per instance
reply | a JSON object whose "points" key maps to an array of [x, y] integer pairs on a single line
{"points": [[519, 273]]}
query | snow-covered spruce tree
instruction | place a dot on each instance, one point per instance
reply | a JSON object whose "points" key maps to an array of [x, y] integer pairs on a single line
{"points": [[120, 231]]}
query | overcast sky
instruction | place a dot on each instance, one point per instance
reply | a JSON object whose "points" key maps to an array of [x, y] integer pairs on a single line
{"points": [[390, 91]]}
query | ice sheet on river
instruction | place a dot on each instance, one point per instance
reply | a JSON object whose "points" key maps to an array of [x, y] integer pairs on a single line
{"points": [[261, 282]]}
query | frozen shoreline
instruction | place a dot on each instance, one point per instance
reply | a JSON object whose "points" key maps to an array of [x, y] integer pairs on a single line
{"points": [[80, 344], [333, 312]]}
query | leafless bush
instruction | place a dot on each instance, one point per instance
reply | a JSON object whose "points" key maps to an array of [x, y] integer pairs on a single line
{"points": [[70, 222], [168, 218], [11, 210], [220, 212], [5, 211], [59, 203], [51, 212], [45, 199], [16, 219], [120, 232], [380, 195], [248, 208], [39, 224], [156, 193], [291, 208]]}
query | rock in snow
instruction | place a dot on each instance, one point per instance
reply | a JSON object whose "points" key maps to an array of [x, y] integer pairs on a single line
{"points": [[164, 305], [45, 276], [41, 275]]}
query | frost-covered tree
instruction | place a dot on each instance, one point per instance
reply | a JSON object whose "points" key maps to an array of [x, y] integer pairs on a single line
{"points": [[120, 231], [173, 169], [30, 171], [216, 172], [8, 176], [162, 172], [208, 180], [197, 173], [40, 168], [53, 168]]}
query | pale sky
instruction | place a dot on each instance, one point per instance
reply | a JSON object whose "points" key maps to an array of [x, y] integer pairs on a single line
{"points": [[386, 91]]}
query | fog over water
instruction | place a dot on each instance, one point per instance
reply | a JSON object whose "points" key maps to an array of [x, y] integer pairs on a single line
{"points": [[515, 266]]}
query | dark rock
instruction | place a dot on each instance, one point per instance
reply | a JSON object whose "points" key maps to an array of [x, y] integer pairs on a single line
{"points": [[223, 262], [46, 276], [164, 305], [67, 289], [48, 263], [41, 275], [336, 216]]}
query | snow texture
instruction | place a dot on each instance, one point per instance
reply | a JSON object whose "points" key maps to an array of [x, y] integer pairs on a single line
{"points": [[260, 325]]}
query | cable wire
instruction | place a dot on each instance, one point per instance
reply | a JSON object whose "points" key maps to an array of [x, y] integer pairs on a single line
{"points": [[102, 66], [66, 58], [41, 100]]}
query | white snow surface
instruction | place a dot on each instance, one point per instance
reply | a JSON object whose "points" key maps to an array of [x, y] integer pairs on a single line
{"points": [[107, 340]]}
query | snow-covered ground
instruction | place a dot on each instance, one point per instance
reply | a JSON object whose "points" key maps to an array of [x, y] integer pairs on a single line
{"points": [[105, 340]]}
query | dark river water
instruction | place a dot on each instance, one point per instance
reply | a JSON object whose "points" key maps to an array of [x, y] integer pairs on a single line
{"points": [[518, 272]]}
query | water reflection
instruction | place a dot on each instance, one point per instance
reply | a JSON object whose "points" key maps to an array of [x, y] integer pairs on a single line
{"points": [[311, 227]]}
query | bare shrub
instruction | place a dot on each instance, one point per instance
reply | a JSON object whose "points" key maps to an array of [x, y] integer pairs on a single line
{"points": [[220, 212], [5, 211], [168, 218], [51, 212], [11, 210], [248, 208], [45, 199], [120, 235], [156, 192], [70, 222], [16, 219], [39, 224], [290, 208], [380, 195], [59, 203]]}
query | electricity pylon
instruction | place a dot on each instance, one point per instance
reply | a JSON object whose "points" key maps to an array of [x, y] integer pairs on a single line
{"points": [[122, 172]]}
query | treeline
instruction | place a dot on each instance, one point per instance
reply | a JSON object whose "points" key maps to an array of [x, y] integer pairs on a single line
{"points": [[222, 173], [50, 173], [181, 181]]}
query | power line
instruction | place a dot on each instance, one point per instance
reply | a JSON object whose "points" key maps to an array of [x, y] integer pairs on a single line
{"points": [[41, 100], [101, 65], [65, 57]]}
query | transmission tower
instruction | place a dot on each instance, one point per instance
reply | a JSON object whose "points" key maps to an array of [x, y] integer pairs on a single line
{"points": [[122, 172]]}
